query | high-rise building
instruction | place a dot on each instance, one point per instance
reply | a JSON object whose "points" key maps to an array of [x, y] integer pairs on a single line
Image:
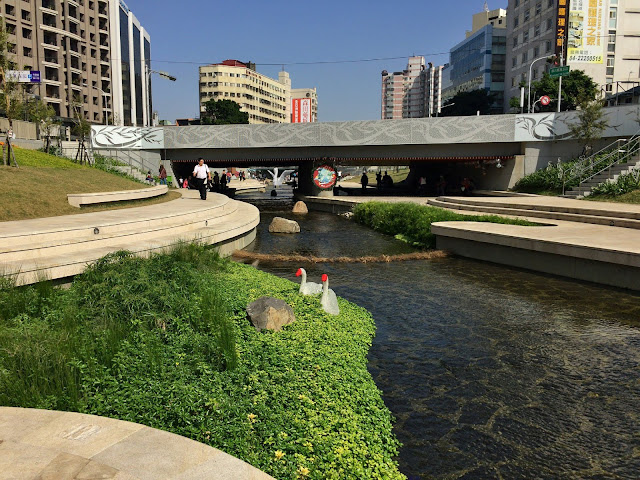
{"points": [[413, 93], [478, 62], [601, 38], [73, 45], [301, 99], [265, 99], [130, 68]]}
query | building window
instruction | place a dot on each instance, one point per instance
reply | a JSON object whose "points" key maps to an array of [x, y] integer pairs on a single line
{"points": [[515, 41], [551, 3], [525, 57], [525, 36], [548, 46], [517, 2], [534, 74], [613, 17], [536, 31], [514, 61], [526, 15], [538, 8], [513, 82], [549, 23], [610, 63], [516, 22], [536, 51]]}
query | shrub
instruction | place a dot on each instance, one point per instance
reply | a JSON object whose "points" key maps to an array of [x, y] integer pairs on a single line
{"points": [[412, 222], [165, 342], [625, 183]]}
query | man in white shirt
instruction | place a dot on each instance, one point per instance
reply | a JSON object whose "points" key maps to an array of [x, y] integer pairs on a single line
{"points": [[201, 175]]}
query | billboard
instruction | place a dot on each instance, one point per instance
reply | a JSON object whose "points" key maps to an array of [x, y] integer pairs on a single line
{"points": [[301, 110], [562, 14], [24, 76], [586, 40]]}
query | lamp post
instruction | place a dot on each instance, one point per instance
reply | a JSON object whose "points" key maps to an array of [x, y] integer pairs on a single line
{"points": [[529, 89]]}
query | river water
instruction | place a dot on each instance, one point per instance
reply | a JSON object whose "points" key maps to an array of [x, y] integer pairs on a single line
{"points": [[491, 372]]}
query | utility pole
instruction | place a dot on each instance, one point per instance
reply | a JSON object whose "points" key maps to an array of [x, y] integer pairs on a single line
{"points": [[560, 78]]}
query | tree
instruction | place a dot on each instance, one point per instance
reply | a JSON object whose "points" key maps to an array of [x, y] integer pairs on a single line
{"points": [[81, 129], [514, 104], [590, 124], [7, 86], [577, 87], [223, 112], [468, 103], [43, 115]]}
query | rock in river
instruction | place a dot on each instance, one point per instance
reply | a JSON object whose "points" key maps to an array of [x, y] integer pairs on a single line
{"points": [[282, 225]]}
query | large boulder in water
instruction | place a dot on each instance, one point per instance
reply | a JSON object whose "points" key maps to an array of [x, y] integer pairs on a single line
{"points": [[300, 207], [270, 313], [282, 225]]}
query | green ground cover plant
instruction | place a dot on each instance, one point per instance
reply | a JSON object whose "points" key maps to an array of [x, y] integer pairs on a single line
{"points": [[165, 342], [624, 184], [412, 223]]}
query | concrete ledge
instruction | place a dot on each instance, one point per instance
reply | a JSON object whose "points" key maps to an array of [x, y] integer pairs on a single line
{"points": [[47, 444], [584, 252], [79, 199]]}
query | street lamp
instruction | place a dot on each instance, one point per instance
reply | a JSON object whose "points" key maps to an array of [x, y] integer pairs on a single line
{"points": [[104, 102], [443, 107], [163, 74], [529, 89]]}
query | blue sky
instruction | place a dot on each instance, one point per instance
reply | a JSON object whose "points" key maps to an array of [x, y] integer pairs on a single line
{"points": [[188, 33]]}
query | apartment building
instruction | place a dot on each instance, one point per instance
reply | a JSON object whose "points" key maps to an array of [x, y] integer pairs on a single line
{"points": [[412, 93], [478, 62], [265, 99], [600, 37], [299, 99], [72, 44]]}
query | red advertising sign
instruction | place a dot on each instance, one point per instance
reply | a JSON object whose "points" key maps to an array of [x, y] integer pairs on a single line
{"points": [[300, 110]]}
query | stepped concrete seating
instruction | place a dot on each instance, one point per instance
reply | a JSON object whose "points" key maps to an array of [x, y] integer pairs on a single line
{"points": [[553, 208], [46, 444], [59, 247], [79, 199]]}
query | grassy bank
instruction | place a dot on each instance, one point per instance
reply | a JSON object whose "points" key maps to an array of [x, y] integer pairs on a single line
{"points": [[165, 342], [40, 186], [412, 222]]}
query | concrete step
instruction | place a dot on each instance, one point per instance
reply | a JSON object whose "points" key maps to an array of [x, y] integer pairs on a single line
{"points": [[584, 216], [77, 228], [59, 264], [46, 249]]}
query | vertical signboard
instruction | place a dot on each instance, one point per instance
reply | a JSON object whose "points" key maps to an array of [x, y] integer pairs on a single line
{"points": [[561, 29], [300, 110], [585, 42]]}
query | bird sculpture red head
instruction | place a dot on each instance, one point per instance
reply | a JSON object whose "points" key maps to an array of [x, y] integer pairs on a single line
{"points": [[299, 272], [325, 277]]}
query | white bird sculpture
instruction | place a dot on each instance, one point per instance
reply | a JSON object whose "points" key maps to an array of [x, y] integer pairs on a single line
{"points": [[307, 288], [278, 179], [329, 301]]}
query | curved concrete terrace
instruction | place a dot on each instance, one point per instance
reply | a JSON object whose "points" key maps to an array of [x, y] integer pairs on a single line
{"points": [[46, 444], [59, 247], [79, 199]]}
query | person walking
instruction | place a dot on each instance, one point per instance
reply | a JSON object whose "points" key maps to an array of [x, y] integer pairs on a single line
{"points": [[162, 173], [201, 175], [364, 180]]}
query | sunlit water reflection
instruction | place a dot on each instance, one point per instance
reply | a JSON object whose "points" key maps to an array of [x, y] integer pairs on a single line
{"points": [[490, 372]]}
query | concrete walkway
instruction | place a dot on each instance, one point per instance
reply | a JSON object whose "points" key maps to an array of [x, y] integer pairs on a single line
{"points": [[58, 247], [51, 445]]}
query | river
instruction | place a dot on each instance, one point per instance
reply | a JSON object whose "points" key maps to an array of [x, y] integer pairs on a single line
{"points": [[490, 372]]}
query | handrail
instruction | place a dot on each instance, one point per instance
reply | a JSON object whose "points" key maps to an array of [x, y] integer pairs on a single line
{"points": [[585, 168]]}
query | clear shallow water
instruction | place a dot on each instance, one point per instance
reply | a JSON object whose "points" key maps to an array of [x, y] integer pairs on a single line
{"points": [[490, 372]]}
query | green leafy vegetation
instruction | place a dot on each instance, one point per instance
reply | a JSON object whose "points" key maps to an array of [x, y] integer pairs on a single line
{"points": [[412, 223], [165, 342], [577, 88], [223, 112], [625, 183]]}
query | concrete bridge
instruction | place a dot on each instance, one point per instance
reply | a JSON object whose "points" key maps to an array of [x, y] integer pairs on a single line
{"points": [[461, 146]]}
